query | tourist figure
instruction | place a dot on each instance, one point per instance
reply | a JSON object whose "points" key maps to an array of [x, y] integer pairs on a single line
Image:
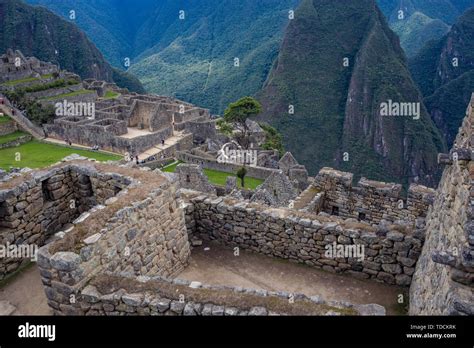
{"points": [[162, 142]]}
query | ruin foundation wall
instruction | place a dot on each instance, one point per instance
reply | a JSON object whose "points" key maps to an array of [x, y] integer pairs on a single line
{"points": [[390, 251]]}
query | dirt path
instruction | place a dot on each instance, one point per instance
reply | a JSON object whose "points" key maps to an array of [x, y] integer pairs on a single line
{"points": [[219, 266], [25, 291]]}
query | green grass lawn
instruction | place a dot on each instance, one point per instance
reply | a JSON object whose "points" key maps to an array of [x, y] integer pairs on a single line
{"points": [[111, 95], [12, 136], [27, 79], [5, 119], [35, 154], [219, 178], [171, 168], [65, 95], [16, 82]]}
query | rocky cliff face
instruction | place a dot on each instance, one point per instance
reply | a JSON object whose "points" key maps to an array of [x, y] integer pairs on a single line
{"points": [[338, 64], [444, 70]]}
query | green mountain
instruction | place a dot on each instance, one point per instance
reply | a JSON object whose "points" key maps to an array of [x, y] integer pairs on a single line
{"points": [[191, 57], [446, 10], [418, 21], [199, 64], [111, 24], [38, 32], [337, 107], [444, 70], [417, 30]]}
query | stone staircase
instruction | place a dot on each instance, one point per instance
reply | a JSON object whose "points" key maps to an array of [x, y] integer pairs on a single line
{"points": [[21, 120]]}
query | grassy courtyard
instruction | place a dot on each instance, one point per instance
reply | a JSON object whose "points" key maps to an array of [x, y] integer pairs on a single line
{"points": [[35, 154], [67, 95], [219, 178]]}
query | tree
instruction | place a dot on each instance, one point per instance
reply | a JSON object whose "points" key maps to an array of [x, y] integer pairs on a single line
{"points": [[241, 173], [273, 139], [238, 113], [224, 127]]}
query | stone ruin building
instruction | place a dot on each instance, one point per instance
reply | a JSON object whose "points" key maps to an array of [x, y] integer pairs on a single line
{"points": [[120, 121], [15, 66], [130, 123], [283, 181], [119, 249]]}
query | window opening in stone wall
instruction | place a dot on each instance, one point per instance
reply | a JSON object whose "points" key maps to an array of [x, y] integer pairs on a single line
{"points": [[335, 211]]}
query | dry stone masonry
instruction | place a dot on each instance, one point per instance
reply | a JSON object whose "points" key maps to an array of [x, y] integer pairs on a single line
{"points": [[125, 295], [387, 253], [118, 248], [371, 201], [43, 202], [444, 278]]}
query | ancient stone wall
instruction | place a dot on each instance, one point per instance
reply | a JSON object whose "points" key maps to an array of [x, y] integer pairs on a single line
{"points": [[17, 142], [116, 296], [202, 130], [388, 252], [112, 126], [191, 176], [55, 91], [444, 279], [8, 127], [46, 201], [75, 132], [149, 115], [371, 201], [253, 172], [139, 231], [22, 122], [87, 97], [310, 200], [10, 70]]}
